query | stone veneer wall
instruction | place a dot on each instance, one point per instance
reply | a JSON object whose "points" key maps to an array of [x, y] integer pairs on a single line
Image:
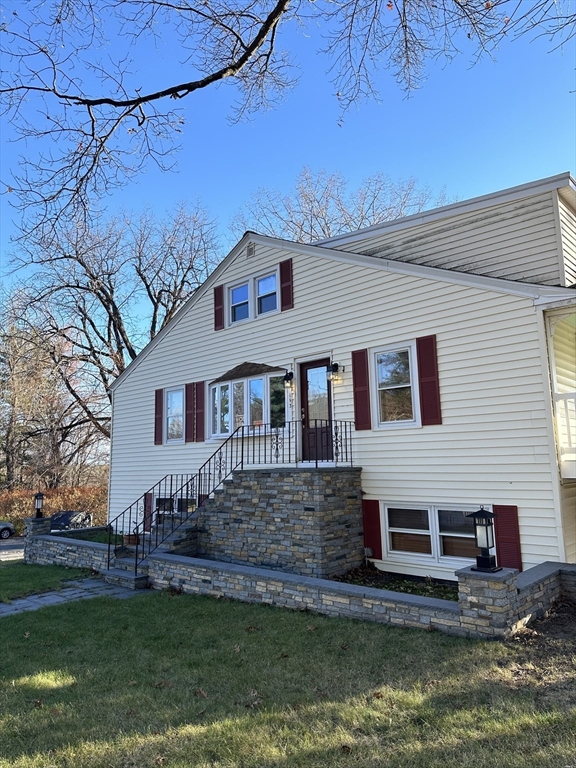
{"points": [[491, 605], [44, 548], [306, 521]]}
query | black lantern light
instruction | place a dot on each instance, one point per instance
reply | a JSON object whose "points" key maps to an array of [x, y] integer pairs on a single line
{"points": [[484, 533], [288, 378], [333, 371], [38, 503]]}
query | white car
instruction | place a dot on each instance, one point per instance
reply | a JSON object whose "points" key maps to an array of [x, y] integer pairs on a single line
{"points": [[6, 530]]}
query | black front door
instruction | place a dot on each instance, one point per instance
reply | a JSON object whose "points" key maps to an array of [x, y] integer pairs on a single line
{"points": [[316, 405]]}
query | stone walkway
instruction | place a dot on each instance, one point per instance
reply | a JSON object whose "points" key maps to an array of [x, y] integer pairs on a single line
{"points": [[83, 589]]}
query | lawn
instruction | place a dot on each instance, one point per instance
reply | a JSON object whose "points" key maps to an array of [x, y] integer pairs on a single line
{"points": [[19, 579], [180, 681]]}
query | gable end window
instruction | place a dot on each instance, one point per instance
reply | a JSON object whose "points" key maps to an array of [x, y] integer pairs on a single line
{"points": [[254, 297]]}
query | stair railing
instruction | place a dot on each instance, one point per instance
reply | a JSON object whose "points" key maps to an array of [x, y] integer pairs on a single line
{"points": [[175, 499]]}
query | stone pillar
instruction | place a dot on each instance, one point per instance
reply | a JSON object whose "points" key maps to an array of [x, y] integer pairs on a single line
{"points": [[488, 602], [35, 526]]}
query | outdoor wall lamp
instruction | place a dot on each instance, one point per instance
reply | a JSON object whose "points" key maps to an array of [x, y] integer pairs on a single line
{"points": [[484, 533], [333, 371], [288, 379], [38, 503]]}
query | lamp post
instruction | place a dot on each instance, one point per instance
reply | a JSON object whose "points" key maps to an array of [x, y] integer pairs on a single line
{"points": [[484, 533], [38, 503]]}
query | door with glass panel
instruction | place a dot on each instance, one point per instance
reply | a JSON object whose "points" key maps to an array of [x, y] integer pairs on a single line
{"points": [[316, 411]]}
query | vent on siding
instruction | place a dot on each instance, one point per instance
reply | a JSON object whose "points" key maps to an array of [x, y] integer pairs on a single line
{"points": [[250, 250]]}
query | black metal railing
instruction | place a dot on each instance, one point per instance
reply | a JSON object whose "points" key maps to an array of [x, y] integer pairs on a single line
{"points": [[153, 518]]}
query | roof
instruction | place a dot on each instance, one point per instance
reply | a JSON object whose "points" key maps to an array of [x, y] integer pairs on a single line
{"points": [[245, 370], [563, 181]]}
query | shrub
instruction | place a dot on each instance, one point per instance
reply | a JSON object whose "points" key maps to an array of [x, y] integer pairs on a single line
{"points": [[17, 505]]}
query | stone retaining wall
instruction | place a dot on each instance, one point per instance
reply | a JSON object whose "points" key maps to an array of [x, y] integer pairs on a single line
{"points": [[333, 598], [306, 521], [53, 549], [490, 605]]}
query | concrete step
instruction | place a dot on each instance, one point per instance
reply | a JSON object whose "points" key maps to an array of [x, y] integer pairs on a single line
{"points": [[126, 578], [127, 564]]}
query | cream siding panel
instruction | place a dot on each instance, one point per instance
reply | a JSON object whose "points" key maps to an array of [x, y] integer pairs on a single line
{"points": [[568, 234], [515, 241], [492, 446], [568, 500]]}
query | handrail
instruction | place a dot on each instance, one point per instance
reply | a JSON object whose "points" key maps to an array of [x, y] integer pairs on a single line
{"points": [[176, 498]]}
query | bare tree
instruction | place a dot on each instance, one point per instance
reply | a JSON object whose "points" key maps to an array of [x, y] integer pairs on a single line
{"points": [[71, 82], [321, 206], [99, 293], [45, 439]]}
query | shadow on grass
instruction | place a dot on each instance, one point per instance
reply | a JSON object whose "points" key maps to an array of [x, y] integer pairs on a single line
{"points": [[185, 681]]}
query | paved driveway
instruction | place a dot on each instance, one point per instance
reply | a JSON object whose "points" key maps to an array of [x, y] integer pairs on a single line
{"points": [[12, 549]]}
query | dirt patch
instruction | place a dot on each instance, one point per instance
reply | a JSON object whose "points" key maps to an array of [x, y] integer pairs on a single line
{"points": [[368, 575], [545, 657]]}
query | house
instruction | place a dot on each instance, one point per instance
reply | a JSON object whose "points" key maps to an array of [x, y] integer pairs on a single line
{"points": [[436, 352]]}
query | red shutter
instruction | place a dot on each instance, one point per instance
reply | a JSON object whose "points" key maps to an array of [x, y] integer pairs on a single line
{"points": [[148, 501], [507, 534], [190, 412], [218, 307], [361, 386], [372, 532], [199, 411], [158, 416], [286, 285], [428, 381]]}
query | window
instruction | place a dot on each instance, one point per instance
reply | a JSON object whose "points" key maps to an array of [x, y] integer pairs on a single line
{"points": [[429, 533], [174, 410], [396, 392], [253, 298], [252, 402], [266, 294], [239, 303]]}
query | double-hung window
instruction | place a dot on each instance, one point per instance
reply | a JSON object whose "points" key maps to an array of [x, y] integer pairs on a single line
{"points": [[429, 533], [253, 298], [396, 386], [174, 415], [254, 402]]}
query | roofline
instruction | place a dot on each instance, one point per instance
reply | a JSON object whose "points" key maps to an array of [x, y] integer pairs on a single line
{"points": [[539, 293], [462, 206]]}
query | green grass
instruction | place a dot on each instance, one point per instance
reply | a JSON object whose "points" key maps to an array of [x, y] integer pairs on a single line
{"points": [[20, 580], [181, 681]]}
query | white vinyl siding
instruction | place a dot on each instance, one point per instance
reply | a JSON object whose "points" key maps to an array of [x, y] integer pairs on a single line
{"points": [[515, 241], [492, 446], [568, 234], [568, 501]]}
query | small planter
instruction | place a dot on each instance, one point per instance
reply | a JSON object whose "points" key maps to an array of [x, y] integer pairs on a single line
{"points": [[131, 540]]}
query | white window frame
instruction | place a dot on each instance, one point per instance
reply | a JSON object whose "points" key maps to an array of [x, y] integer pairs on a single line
{"points": [[266, 402], [252, 283], [436, 558], [174, 440], [416, 421]]}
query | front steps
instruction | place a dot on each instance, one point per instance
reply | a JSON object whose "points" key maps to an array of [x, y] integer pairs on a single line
{"points": [[181, 541]]}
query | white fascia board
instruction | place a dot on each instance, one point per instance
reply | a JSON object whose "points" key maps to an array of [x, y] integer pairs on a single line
{"points": [[529, 290], [454, 209], [206, 285]]}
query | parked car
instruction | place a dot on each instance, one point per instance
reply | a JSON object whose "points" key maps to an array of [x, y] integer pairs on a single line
{"points": [[6, 530], [67, 519]]}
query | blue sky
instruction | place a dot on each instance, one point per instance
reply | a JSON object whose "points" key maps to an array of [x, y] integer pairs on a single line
{"points": [[471, 129]]}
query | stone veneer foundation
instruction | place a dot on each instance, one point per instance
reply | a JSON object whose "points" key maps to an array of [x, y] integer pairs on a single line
{"points": [[305, 521]]}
